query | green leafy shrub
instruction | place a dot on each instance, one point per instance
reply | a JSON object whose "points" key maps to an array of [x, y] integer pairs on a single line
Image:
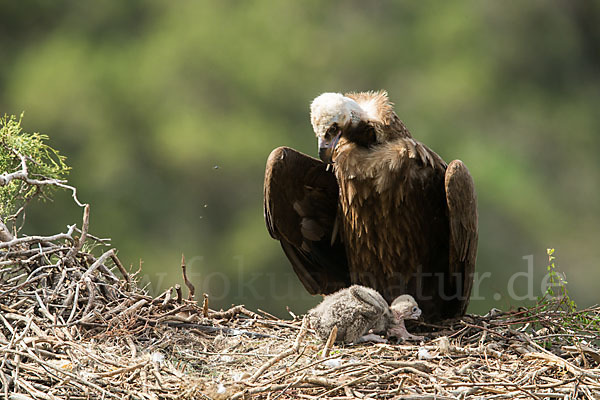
{"points": [[43, 164]]}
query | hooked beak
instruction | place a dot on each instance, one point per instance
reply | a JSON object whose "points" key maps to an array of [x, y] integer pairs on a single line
{"points": [[326, 148]]}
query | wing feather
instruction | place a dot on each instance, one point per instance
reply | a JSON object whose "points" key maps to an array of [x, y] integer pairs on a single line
{"points": [[300, 206], [462, 215]]}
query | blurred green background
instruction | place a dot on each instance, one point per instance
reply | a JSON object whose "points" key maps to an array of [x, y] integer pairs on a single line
{"points": [[167, 112]]}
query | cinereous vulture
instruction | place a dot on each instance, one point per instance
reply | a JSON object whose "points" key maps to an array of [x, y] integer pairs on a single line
{"points": [[379, 209]]}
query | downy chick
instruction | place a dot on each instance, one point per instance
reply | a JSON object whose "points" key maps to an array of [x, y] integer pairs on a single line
{"points": [[357, 310]]}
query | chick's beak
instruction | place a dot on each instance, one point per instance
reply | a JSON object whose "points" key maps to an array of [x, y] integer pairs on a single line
{"points": [[416, 314], [326, 148]]}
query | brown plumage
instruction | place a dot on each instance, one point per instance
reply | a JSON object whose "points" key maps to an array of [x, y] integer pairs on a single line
{"points": [[390, 214]]}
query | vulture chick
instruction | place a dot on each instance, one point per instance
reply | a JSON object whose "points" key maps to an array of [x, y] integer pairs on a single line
{"points": [[379, 209], [358, 310], [403, 307]]}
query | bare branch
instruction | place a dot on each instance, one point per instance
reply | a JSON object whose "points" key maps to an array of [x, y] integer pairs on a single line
{"points": [[187, 282], [98, 263], [40, 239], [23, 175], [84, 228], [5, 235]]}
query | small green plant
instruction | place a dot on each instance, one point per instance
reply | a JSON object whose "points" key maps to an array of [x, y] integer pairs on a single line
{"points": [[561, 313], [27, 167], [557, 286]]}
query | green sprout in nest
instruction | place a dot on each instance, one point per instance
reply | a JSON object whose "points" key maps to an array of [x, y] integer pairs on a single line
{"points": [[557, 294], [557, 314]]}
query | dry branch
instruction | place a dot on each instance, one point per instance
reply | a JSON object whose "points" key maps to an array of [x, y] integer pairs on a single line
{"points": [[329, 342], [23, 175], [5, 235], [205, 305], [40, 239], [190, 286]]}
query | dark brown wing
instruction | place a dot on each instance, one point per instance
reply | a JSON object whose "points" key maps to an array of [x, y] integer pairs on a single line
{"points": [[462, 215], [300, 205]]}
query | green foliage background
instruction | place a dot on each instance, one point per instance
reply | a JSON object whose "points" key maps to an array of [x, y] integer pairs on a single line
{"points": [[167, 112]]}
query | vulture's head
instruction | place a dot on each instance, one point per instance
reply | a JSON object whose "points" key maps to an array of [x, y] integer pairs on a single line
{"points": [[334, 116]]}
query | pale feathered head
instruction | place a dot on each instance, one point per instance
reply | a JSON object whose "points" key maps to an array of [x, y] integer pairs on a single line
{"points": [[353, 116], [330, 115], [334, 109], [405, 307]]}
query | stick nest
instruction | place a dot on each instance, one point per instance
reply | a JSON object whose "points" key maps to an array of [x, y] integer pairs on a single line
{"points": [[74, 325]]}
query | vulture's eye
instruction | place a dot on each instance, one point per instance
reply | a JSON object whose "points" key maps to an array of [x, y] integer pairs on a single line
{"points": [[332, 129], [414, 309]]}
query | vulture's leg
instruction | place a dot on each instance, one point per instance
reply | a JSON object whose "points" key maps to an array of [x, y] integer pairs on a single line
{"points": [[399, 330], [371, 337]]}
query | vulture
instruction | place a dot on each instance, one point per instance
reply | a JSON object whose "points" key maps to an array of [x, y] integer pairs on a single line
{"points": [[378, 209]]}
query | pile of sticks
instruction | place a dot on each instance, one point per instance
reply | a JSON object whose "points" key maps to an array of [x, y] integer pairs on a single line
{"points": [[71, 323], [75, 324]]}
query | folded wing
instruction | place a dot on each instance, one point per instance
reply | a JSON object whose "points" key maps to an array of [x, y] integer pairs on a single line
{"points": [[462, 215]]}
